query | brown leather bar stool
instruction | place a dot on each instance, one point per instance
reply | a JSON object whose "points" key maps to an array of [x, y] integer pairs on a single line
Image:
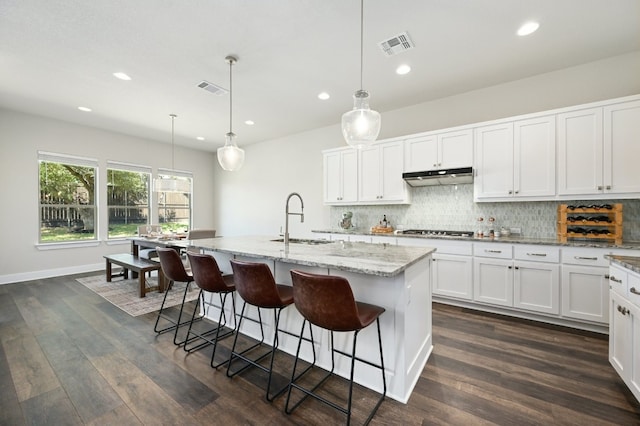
{"points": [[173, 270], [209, 279], [257, 287], [327, 302]]}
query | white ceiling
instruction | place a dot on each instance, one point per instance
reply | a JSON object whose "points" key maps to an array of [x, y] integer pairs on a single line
{"points": [[58, 55]]}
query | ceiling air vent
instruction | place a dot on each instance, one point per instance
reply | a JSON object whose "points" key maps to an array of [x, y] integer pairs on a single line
{"points": [[396, 44], [210, 87]]}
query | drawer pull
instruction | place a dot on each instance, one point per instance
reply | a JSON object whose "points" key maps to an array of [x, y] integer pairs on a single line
{"points": [[585, 258], [634, 291], [537, 254], [615, 280], [492, 251], [623, 310]]}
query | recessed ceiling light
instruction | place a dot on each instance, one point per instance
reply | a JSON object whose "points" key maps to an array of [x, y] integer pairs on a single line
{"points": [[85, 109], [323, 96], [249, 123], [528, 28], [121, 76], [200, 138], [403, 69]]}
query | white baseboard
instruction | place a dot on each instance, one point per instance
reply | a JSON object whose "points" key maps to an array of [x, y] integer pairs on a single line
{"points": [[49, 273]]}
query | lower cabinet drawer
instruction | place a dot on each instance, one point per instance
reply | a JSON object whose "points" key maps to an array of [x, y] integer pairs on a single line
{"points": [[496, 251]]}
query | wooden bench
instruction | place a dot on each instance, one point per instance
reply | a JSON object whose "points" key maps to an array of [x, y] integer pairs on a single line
{"points": [[138, 265]]}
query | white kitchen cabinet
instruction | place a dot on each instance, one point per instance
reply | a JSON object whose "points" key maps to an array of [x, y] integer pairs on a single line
{"points": [[534, 157], [621, 173], [493, 161], [445, 150], [493, 281], [536, 287], [452, 276], [452, 267], [624, 341], [516, 160], [341, 176], [598, 149], [580, 152], [380, 170], [585, 293]]}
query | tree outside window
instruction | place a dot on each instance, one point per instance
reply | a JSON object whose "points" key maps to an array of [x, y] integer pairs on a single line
{"points": [[67, 202], [127, 201]]}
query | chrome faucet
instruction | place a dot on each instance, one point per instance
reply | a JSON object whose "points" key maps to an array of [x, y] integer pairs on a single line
{"points": [[286, 216]]}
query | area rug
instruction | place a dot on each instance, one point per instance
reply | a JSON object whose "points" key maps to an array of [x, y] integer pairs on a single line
{"points": [[124, 294]]}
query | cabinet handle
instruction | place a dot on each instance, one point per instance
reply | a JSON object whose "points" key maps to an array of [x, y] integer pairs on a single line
{"points": [[435, 165], [599, 188], [537, 254], [608, 186], [517, 267], [585, 258], [510, 267], [517, 191], [623, 310], [634, 291], [615, 280], [492, 251], [510, 192], [606, 276]]}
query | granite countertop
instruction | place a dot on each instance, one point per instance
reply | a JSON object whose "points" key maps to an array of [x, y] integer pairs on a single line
{"points": [[386, 260], [631, 245], [630, 262]]}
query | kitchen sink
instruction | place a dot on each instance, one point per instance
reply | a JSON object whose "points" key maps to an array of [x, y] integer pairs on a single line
{"points": [[303, 241]]}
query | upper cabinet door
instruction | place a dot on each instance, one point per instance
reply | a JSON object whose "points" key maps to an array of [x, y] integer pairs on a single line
{"points": [[622, 148], [369, 174], [455, 149], [341, 176], [421, 153], [494, 161], [580, 152], [439, 151], [393, 186], [380, 174], [534, 172]]}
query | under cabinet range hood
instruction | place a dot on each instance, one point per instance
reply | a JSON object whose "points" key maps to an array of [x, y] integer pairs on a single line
{"points": [[439, 177]]}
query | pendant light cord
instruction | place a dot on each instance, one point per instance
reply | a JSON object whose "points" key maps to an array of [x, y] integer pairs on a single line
{"points": [[361, 40], [230, 96]]}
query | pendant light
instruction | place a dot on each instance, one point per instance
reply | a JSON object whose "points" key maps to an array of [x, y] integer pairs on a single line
{"points": [[172, 183], [230, 156], [361, 125]]}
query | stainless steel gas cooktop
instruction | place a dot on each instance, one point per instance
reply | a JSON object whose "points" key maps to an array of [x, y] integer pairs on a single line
{"points": [[431, 232]]}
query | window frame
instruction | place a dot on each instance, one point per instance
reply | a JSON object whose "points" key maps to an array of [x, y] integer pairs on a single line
{"points": [[134, 168], [72, 160], [180, 174]]}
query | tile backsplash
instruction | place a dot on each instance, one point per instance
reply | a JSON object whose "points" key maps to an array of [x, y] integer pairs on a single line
{"points": [[451, 207]]}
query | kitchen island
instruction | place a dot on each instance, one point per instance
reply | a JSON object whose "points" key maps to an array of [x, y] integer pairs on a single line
{"points": [[395, 277]]}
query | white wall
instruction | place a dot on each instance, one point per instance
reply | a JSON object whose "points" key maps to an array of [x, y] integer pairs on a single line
{"points": [[22, 136], [252, 201]]}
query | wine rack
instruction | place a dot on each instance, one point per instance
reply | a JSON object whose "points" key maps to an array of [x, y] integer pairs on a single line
{"points": [[594, 222]]}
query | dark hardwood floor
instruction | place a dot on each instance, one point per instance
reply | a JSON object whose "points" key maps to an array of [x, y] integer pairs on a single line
{"points": [[67, 356]]}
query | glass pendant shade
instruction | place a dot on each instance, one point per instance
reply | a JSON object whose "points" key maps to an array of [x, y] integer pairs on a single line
{"points": [[172, 183], [361, 125], [230, 156]]}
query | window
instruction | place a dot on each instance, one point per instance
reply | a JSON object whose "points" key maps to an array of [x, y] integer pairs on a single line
{"points": [[174, 208], [67, 202], [128, 201]]}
